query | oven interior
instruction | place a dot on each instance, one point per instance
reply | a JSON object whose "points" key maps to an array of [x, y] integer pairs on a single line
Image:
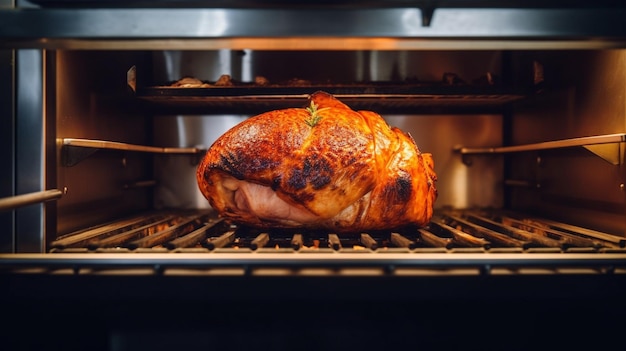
{"points": [[128, 143], [522, 110]]}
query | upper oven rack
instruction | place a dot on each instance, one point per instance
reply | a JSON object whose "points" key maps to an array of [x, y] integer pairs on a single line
{"points": [[410, 98]]}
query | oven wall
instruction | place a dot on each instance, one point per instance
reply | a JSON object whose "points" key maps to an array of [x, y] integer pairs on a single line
{"points": [[93, 101], [7, 146], [7, 141], [23, 149], [584, 94]]}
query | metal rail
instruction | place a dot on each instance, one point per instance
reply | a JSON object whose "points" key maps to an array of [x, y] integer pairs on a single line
{"points": [[161, 262], [76, 150], [609, 147], [583, 141], [113, 145], [13, 202]]}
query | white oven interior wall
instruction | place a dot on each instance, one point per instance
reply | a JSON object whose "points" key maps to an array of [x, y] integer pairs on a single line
{"points": [[584, 94], [459, 186]]}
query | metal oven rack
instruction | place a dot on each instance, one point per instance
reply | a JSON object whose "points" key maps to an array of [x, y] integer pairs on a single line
{"points": [[454, 242]]}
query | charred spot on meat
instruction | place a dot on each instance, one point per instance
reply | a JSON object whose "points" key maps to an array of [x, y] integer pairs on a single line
{"points": [[323, 166], [315, 171]]}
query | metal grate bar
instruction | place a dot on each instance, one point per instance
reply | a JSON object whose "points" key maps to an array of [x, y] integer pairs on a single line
{"points": [[459, 237], [194, 238], [260, 241], [515, 232], [490, 235], [454, 231], [434, 240], [77, 239], [188, 225], [296, 242], [119, 240], [334, 242], [537, 228], [584, 232], [220, 241], [368, 241], [400, 241]]}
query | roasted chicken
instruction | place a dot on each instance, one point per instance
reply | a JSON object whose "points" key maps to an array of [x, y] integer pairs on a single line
{"points": [[321, 167]]}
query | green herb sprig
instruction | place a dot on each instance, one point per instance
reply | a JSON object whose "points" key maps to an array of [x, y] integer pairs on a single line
{"points": [[314, 116]]}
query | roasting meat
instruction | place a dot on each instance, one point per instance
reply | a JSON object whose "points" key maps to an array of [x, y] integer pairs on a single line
{"points": [[321, 167]]}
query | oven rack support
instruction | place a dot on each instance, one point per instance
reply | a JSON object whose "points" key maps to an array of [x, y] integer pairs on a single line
{"points": [[609, 147], [13, 202], [75, 150]]}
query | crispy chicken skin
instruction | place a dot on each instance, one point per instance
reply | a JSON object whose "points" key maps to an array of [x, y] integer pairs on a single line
{"points": [[321, 167]]}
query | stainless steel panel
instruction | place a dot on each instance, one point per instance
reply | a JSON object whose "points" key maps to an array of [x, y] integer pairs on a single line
{"points": [[460, 28], [458, 185], [177, 187], [30, 153], [7, 146], [7, 140]]}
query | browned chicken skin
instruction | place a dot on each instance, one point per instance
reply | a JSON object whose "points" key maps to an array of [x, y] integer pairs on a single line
{"points": [[321, 167]]}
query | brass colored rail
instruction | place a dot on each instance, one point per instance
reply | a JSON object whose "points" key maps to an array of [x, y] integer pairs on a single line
{"points": [[583, 141], [13, 202], [112, 145]]}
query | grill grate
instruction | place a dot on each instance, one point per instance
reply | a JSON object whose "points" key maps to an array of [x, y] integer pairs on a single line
{"points": [[449, 231]]}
